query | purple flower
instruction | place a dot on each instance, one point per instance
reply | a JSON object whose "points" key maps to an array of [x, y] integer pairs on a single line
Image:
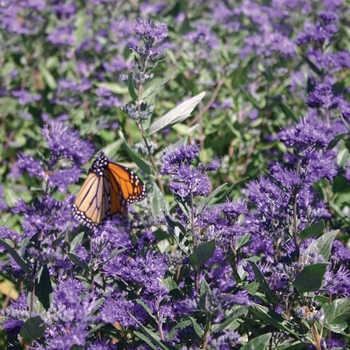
{"points": [[322, 96], [338, 281], [320, 32], [340, 254], [73, 307], [110, 236], [106, 98], [74, 86], [135, 113], [224, 339], [214, 165], [117, 309], [12, 15], [101, 345], [118, 64], [47, 214], [150, 34], [3, 204], [142, 271], [69, 93], [38, 5], [25, 97], [306, 135], [203, 36], [187, 180], [328, 16], [335, 343], [32, 166], [62, 36], [147, 8], [332, 5], [173, 157], [267, 43], [64, 143], [16, 315], [64, 177], [190, 181], [320, 165], [65, 11], [226, 16]]}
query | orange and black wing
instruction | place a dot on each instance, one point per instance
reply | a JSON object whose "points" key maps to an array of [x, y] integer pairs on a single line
{"points": [[92, 202], [126, 181], [106, 191]]}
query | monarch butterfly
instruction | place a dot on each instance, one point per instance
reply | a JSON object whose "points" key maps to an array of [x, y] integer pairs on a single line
{"points": [[106, 191]]}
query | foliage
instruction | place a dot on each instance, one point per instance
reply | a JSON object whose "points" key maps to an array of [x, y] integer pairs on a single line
{"points": [[235, 115]]}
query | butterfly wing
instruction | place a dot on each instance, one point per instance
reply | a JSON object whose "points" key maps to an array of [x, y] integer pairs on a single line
{"points": [[91, 203], [106, 191], [132, 188], [117, 202]]}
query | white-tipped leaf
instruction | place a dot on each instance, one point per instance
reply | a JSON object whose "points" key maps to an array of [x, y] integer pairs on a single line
{"points": [[176, 115]]}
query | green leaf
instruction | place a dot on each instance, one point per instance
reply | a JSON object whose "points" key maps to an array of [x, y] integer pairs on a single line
{"points": [[205, 201], [76, 241], [21, 263], [337, 315], [80, 27], [262, 282], [169, 283], [176, 115], [197, 328], [288, 112], [231, 320], [159, 203], [322, 245], [152, 336], [310, 278], [157, 85], [145, 339], [204, 287], [270, 317], [176, 231], [113, 87], [202, 253], [258, 343], [146, 307], [312, 65], [97, 304], [299, 346], [44, 288], [345, 122], [252, 288], [33, 328], [94, 328], [180, 325], [131, 87], [138, 161], [243, 240], [342, 157], [312, 231], [205, 300], [76, 260], [48, 77], [253, 100], [113, 148]]}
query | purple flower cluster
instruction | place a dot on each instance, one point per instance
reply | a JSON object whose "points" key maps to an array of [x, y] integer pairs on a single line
{"points": [[187, 181]]}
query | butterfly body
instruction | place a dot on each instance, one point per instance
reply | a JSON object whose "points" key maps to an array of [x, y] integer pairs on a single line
{"points": [[107, 190]]}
